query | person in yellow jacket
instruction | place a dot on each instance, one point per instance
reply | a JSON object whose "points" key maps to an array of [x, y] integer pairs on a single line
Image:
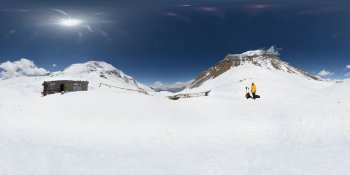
{"points": [[253, 90]]}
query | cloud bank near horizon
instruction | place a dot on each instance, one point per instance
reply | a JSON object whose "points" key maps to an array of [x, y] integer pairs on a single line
{"points": [[175, 87], [22, 67], [325, 73]]}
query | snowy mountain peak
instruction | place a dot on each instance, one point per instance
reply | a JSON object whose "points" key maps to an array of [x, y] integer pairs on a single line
{"points": [[97, 72], [97, 68], [93, 66], [266, 59]]}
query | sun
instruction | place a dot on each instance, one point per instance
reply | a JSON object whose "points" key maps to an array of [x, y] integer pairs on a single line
{"points": [[70, 22]]}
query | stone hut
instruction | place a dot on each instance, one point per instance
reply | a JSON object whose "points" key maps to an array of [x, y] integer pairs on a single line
{"points": [[61, 86]]}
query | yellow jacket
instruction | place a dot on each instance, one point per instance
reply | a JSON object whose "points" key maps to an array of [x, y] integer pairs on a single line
{"points": [[253, 88]]}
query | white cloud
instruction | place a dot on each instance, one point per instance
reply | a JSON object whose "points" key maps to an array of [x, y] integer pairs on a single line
{"points": [[325, 73], [21, 67], [348, 66], [54, 65], [274, 50], [347, 74], [175, 87]]}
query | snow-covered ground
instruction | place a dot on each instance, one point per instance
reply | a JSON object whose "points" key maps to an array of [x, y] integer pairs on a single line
{"points": [[298, 126]]}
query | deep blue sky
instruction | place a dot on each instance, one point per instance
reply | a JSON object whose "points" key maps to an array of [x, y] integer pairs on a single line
{"points": [[171, 40]]}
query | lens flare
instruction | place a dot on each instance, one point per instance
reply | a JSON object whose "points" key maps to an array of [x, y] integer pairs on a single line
{"points": [[70, 22]]}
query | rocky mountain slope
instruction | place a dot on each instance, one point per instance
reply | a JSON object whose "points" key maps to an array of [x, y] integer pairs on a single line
{"points": [[260, 58]]}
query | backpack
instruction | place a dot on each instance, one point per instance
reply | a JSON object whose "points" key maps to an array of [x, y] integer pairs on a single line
{"points": [[247, 95]]}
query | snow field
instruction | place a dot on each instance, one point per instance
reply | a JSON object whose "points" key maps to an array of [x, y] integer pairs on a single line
{"points": [[299, 126]]}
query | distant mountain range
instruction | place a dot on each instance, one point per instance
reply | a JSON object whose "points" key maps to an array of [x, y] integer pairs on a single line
{"points": [[99, 71]]}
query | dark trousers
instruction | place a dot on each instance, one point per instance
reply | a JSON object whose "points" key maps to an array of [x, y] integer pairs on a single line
{"points": [[254, 95]]}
